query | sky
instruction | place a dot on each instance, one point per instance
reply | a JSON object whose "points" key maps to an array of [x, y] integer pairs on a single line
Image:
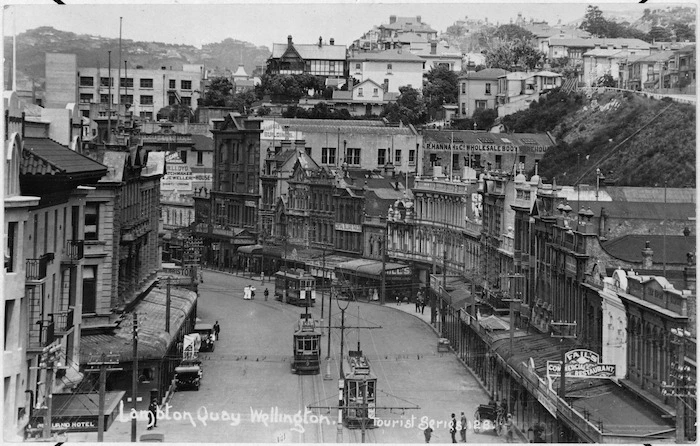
{"points": [[195, 22]]}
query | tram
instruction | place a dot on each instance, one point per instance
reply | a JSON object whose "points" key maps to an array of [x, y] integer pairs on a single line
{"points": [[359, 392], [299, 285], [307, 346]]}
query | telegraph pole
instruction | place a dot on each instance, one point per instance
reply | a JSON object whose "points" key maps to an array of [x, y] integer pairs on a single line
{"points": [[102, 363], [566, 330], [134, 374], [384, 255], [167, 305]]}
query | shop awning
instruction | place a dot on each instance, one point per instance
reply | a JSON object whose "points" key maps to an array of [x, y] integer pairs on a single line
{"points": [[79, 412], [250, 249], [154, 341], [372, 269]]}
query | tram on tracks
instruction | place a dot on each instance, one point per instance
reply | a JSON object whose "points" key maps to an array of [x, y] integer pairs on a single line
{"points": [[359, 391], [307, 346], [296, 287]]}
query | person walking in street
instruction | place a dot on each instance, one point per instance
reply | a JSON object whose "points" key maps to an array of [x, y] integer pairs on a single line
{"points": [[419, 301], [217, 330], [463, 428], [266, 293], [453, 428], [422, 305], [428, 432], [153, 414], [252, 292], [509, 428]]}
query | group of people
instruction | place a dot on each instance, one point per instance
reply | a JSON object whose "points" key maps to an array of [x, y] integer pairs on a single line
{"points": [[420, 302], [462, 424]]}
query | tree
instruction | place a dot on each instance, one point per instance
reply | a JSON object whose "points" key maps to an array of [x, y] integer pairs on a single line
{"points": [[175, 113], [660, 34], [594, 23], [290, 87], [510, 54], [455, 30], [484, 118], [217, 93], [409, 108], [441, 88], [606, 80], [683, 32], [513, 32]]}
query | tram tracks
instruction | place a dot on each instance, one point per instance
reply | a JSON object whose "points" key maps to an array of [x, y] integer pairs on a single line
{"points": [[308, 394]]}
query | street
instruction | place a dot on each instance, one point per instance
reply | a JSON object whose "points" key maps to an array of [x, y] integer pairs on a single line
{"points": [[249, 394]]}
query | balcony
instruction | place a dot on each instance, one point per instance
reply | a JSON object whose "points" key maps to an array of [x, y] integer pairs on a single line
{"points": [[62, 320], [36, 269], [41, 334], [74, 251]]}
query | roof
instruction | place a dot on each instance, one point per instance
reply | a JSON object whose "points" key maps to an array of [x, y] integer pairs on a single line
{"points": [[395, 55], [660, 56], [154, 341], [333, 126], [500, 139], [115, 162], [629, 247], [43, 156], [423, 49], [591, 43], [410, 37], [367, 267], [518, 76], [606, 52], [547, 74], [311, 51], [203, 143], [408, 23], [487, 74]]}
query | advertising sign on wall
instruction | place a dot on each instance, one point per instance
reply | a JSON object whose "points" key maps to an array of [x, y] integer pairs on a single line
{"points": [[581, 363]]}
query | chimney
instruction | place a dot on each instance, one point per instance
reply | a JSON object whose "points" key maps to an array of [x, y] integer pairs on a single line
{"points": [[289, 40], [332, 41], [433, 47], [418, 19], [647, 256], [392, 19], [320, 41]]}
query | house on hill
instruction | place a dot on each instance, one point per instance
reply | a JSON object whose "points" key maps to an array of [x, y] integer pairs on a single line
{"points": [[321, 59]]}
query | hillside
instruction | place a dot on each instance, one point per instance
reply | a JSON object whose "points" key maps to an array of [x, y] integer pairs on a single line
{"points": [[91, 51], [633, 140]]}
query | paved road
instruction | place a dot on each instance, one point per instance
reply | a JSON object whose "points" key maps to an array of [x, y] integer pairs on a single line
{"points": [[249, 395]]}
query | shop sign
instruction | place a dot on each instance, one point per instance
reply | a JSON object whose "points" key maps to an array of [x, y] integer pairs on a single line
{"points": [[348, 227], [581, 363], [405, 271]]}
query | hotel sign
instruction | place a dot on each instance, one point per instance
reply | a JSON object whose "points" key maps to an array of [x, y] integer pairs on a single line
{"points": [[348, 227]]}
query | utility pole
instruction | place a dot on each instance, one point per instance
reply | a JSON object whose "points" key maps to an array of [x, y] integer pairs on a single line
{"points": [[682, 388], [102, 367], [167, 305], [323, 280], [565, 330], [134, 373], [383, 274], [511, 301]]}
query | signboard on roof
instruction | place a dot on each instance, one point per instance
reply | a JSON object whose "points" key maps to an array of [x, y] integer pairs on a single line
{"points": [[495, 148], [178, 175], [275, 130], [581, 363]]}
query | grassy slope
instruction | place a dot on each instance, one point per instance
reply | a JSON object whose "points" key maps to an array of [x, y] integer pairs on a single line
{"points": [[591, 133]]}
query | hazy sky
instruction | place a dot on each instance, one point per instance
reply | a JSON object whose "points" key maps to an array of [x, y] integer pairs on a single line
{"points": [[264, 23]]}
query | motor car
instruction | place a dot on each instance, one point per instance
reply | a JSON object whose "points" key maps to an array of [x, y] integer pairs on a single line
{"points": [[188, 375], [207, 336]]}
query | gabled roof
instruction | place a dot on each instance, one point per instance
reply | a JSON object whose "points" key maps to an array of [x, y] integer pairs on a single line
{"points": [[203, 143], [660, 56], [311, 51], [442, 49], [408, 23], [591, 43], [395, 55], [487, 74], [43, 156]]}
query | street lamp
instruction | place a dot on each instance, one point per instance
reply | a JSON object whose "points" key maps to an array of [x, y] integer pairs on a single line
{"points": [[682, 387]]}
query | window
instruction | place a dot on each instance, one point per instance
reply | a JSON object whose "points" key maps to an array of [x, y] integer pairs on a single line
{"points": [[488, 88], [328, 155], [146, 83], [480, 104], [381, 157], [186, 100], [499, 159], [331, 66], [127, 82], [464, 108], [87, 81], [104, 98], [388, 68], [86, 97], [127, 99], [85, 113], [92, 216], [172, 84], [11, 249], [375, 92], [183, 156], [200, 158], [359, 92], [146, 100], [464, 87], [146, 116], [358, 67], [89, 289], [397, 156], [411, 156], [104, 82], [353, 157], [186, 85]]}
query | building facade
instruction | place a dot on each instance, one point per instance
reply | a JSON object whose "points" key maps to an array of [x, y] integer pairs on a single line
{"points": [[327, 60], [477, 90], [394, 68]]}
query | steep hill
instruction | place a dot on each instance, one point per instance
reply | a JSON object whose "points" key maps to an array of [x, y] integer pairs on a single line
{"points": [[633, 140], [91, 51]]}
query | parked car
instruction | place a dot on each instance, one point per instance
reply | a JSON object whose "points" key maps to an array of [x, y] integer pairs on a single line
{"points": [[206, 333], [188, 375]]}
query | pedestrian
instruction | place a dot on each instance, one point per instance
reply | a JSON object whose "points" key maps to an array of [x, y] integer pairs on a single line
{"points": [[463, 428], [153, 414], [217, 330], [266, 293], [509, 428], [453, 428], [252, 292], [419, 299], [422, 306], [398, 299], [428, 432]]}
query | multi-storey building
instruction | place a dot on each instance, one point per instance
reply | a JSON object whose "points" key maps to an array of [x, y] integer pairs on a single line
{"points": [[516, 91], [325, 60], [477, 90], [391, 33], [366, 98], [394, 68], [227, 218], [438, 54], [16, 269]]}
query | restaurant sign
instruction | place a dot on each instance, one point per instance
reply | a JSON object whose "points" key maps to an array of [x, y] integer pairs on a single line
{"points": [[581, 363]]}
